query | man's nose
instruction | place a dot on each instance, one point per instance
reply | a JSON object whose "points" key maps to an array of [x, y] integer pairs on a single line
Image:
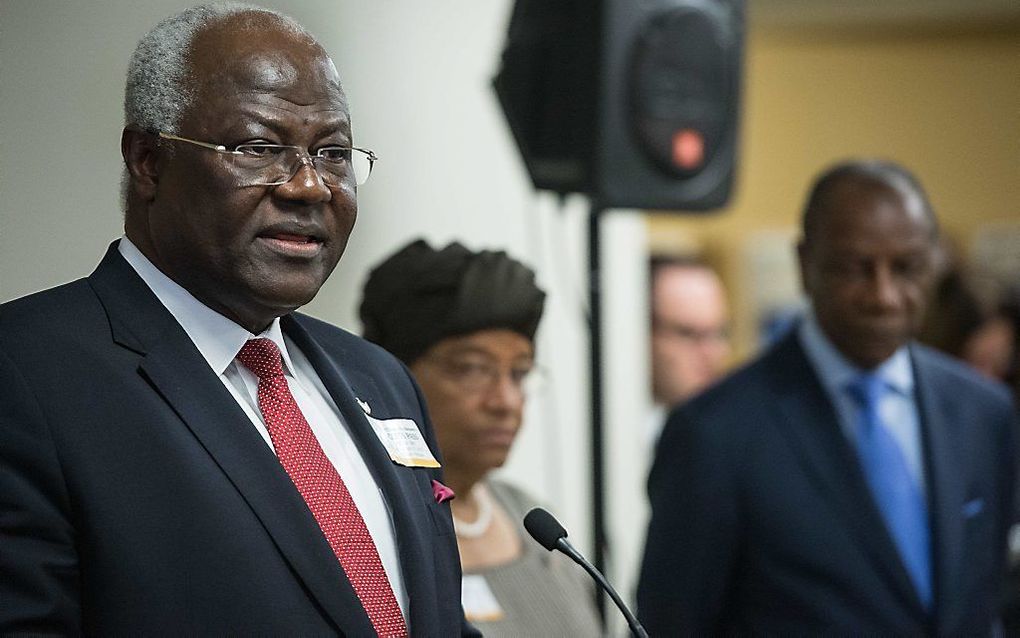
{"points": [[305, 185], [885, 289]]}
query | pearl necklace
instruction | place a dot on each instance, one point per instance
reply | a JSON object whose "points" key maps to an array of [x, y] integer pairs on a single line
{"points": [[480, 525]]}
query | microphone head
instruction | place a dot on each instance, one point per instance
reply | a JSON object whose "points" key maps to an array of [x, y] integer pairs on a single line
{"points": [[544, 528]]}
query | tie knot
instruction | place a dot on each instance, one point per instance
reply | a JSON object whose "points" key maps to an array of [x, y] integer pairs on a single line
{"points": [[262, 357], [867, 390]]}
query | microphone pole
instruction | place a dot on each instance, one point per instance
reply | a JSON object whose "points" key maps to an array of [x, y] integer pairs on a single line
{"points": [[545, 529]]}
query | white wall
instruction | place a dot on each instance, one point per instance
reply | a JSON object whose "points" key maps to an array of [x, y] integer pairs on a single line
{"points": [[418, 79]]}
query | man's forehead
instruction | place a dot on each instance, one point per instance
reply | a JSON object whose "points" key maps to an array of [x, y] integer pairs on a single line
{"points": [[266, 82], [899, 235], [269, 71], [855, 204], [262, 53], [684, 273]]}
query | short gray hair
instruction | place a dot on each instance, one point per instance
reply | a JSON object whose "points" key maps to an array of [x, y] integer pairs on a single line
{"points": [[157, 92]]}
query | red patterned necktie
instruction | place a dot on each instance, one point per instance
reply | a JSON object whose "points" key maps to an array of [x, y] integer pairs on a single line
{"points": [[322, 488]]}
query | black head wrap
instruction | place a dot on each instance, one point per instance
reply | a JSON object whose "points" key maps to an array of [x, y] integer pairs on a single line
{"points": [[420, 296]]}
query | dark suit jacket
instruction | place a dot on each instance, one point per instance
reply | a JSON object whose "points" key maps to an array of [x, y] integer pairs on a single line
{"points": [[762, 521], [136, 497]]}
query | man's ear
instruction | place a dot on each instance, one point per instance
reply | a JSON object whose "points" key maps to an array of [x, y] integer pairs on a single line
{"points": [[141, 152]]}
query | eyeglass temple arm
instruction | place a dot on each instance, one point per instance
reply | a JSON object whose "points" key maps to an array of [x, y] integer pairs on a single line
{"points": [[371, 154], [215, 147]]}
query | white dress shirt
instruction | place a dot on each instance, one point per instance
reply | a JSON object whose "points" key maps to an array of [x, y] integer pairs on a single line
{"points": [[897, 408], [219, 340]]}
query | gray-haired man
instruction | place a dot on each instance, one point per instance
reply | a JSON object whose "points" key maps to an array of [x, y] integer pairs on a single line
{"points": [[180, 451]]}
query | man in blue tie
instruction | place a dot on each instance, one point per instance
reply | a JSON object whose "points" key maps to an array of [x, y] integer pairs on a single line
{"points": [[849, 481]]}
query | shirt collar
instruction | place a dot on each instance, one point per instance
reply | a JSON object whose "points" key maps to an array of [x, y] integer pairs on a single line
{"points": [[218, 339], [836, 371]]}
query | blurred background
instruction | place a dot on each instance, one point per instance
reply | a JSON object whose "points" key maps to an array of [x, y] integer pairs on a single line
{"points": [[932, 84]]}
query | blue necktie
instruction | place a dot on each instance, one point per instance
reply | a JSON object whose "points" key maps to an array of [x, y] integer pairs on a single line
{"points": [[897, 495]]}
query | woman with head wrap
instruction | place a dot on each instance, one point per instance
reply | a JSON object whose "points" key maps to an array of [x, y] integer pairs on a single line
{"points": [[464, 322]]}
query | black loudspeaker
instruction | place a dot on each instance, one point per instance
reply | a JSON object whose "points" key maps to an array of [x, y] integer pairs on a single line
{"points": [[633, 102]]}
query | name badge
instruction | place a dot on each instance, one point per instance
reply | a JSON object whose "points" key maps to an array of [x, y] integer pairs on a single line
{"points": [[480, 604], [403, 441]]}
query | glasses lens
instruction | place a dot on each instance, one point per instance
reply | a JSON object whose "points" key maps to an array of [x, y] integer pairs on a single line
{"points": [[337, 163], [265, 164], [272, 165], [362, 163]]}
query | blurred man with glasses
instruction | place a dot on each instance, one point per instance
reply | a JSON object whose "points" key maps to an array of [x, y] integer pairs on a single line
{"points": [[181, 451], [690, 341]]}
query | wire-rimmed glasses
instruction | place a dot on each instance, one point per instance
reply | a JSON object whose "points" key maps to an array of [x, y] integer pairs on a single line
{"points": [[261, 164], [477, 376]]}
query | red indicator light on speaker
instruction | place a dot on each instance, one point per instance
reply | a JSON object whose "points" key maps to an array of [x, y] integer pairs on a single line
{"points": [[688, 149]]}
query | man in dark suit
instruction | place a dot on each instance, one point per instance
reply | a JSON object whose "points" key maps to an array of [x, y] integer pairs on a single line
{"points": [[181, 452], [849, 481]]}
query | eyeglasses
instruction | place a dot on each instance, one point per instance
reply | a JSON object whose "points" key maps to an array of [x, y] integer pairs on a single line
{"points": [[275, 164], [690, 333], [475, 376]]}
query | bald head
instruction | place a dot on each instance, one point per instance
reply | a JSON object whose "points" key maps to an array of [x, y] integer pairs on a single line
{"points": [[261, 52], [849, 181], [257, 44]]}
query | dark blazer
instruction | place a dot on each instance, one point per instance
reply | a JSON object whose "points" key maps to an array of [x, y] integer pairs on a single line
{"points": [[762, 521], [136, 498]]}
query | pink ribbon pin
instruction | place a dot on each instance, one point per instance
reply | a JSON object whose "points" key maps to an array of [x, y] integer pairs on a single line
{"points": [[441, 492]]}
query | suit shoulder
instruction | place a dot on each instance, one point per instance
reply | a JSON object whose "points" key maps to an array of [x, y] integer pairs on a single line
{"points": [[749, 383], [729, 414], [50, 309], [339, 340], [952, 375], [323, 329], [521, 502], [723, 418]]}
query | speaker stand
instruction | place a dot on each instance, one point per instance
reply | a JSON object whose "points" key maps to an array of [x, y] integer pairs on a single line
{"points": [[595, 360]]}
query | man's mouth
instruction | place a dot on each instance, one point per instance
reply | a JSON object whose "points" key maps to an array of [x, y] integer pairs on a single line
{"points": [[292, 244], [300, 239]]}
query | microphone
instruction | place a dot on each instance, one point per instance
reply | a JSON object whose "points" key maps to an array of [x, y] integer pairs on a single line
{"points": [[545, 529]]}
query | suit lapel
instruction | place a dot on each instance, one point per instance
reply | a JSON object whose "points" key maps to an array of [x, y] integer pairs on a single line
{"points": [[176, 370], [946, 486], [812, 426], [399, 485]]}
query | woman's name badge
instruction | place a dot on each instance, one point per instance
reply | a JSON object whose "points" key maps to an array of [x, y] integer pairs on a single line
{"points": [[480, 604], [403, 441]]}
